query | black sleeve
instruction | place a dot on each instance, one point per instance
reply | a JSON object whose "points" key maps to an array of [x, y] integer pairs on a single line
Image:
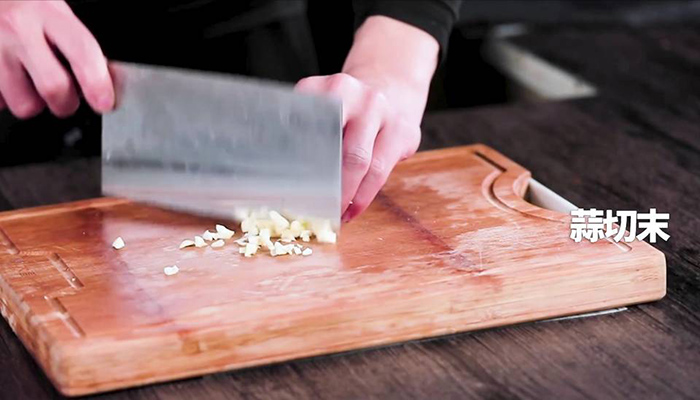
{"points": [[436, 17]]}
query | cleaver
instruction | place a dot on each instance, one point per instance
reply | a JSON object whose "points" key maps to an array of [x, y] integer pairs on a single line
{"points": [[221, 145]]}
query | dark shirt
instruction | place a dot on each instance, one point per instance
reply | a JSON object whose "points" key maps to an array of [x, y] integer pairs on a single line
{"points": [[213, 18], [436, 17]]}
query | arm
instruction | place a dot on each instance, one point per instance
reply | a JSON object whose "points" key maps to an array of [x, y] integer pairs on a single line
{"points": [[384, 88], [401, 72]]}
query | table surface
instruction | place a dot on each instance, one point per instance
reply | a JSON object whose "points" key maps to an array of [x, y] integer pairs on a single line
{"points": [[634, 146]]}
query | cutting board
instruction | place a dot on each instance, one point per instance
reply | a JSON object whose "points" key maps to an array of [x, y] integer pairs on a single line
{"points": [[448, 246]]}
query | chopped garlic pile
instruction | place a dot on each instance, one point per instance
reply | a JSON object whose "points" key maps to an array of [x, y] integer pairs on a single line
{"points": [[279, 226], [261, 228], [118, 243]]}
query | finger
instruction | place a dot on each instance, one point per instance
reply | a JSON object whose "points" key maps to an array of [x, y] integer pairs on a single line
{"points": [[349, 91], [17, 90], [358, 143], [339, 86], [395, 142], [50, 78], [86, 59], [311, 85]]}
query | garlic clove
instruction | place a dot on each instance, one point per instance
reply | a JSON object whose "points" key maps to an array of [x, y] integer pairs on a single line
{"points": [[118, 243], [280, 221], [326, 236], [280, 249], [172, 270], [254, 240], [287, 236], [186, 243], [208, 236], [250, 249], [199, 241], [223, 232], [249, 225], [296, 227]]}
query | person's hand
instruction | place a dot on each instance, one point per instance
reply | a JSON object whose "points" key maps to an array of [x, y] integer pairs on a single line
{"points": [[31, 75], [384, 88], [375, 137]]}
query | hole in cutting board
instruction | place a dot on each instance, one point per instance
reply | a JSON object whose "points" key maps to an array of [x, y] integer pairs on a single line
{"points": [[543, 197], [536, 193]]}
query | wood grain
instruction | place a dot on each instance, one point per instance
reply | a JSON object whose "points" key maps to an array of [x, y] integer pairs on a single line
{"points": [[449, 246]]}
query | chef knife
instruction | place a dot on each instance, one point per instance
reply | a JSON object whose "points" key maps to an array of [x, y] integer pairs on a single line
{"points": [[221, 145]]}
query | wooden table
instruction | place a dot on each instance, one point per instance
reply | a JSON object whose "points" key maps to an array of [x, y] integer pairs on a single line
{"points": [[634, 146]]}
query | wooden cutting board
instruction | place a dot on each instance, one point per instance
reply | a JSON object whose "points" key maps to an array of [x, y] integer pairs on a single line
{"points": [[449, 246]]}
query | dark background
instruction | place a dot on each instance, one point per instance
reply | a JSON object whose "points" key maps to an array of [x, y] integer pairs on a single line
{"points": [[133, 31]]}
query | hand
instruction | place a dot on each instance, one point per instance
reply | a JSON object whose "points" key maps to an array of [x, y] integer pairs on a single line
{"points": [[375, 137], [384, 88], [31, 76]]}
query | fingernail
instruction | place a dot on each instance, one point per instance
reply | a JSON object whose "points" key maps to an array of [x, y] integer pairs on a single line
{"points": [[346, 217]]}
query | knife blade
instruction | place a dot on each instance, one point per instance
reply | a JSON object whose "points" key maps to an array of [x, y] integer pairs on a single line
{"points": [[221, 145]]}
